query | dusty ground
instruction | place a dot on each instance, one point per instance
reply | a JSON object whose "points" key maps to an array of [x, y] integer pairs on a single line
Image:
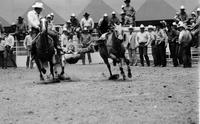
{"points": [[154, 95]]}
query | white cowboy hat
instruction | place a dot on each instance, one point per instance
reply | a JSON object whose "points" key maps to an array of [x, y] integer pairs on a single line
{"points": [[48, 16], [150, 27], [68, 21], [174, 24], [52, 14], [122, 6], [141, 26], [73, 15], [181, 24], [105, 15], [64, 29], [182, 7], [113, 13], [198, 9], [38, 5], [122, 13], [130, 27], [193, 13]]}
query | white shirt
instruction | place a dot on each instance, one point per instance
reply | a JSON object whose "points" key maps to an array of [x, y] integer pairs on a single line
{"points": [[184, 36], [10, 40], [142, 37], [132, 40], [33, 19], [87, 23], [27, 41]]}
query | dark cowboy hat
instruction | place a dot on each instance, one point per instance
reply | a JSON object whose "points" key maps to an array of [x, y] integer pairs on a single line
{"points": [[86, 14], [127, 1], [20, 18]]}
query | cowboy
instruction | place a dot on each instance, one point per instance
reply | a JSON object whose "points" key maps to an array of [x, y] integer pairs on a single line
{"points": [[172, 34], [21, 29], [69, 29], [122, 18], [9, 44], [75, 26], [154, 48], [27, 45], [196, 27], [65, 40], [103, 24], [185, 40], [192, 19], [114, 19], [132, 46], [160, 42], [85, 39], [52, 17], [87, 22], [183, 15], [143, 39], [129, 12], [34, 22]]}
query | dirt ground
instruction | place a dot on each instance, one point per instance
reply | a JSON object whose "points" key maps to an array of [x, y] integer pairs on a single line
{"points": [[154, 95]]}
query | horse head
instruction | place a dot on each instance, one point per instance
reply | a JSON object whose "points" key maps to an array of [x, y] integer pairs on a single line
{"points": [[43, 24], [118, 32]]}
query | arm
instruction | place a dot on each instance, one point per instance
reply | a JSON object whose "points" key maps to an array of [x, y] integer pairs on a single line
{"points": [[32, 20], [82, 23], [148, 39], [25, 42]]}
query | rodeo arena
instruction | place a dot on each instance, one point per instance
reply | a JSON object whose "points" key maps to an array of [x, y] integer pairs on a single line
{"points": [[99, 61]]}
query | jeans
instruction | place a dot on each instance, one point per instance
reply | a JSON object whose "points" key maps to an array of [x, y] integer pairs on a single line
{"points": [[143, 52]]}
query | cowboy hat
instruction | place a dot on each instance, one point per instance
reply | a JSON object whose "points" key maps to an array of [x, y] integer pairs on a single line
{"points": [[150, 27], [73, 15], [113, 13], [130, 27], [52, 14], [122, 13], [86, 14], [182, 7], [127, 1], [64, 29], [141, 26], [198, 9], [182, 25], [68, 21], [105, 15], [38, 5], [48, 16], [20, 18], [193, 13]]}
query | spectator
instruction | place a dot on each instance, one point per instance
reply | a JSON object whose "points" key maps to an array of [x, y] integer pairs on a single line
{"points": [[27, 45], [114, 19], [69, 29], [9, 44], [87, 22], [185, 40], [142, 38], [21, 29], [65, 40], [173, 46], [160, 41], [183, 15], [2, 51], [52, 18], [122, 18], [152, 41], [1, 30], [75, 26], [85, 39], [103, 24], [132, 46], [129, 12]]}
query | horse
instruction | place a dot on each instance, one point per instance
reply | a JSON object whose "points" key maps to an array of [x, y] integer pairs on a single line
{"points": [[112, 47], [44, 49]]}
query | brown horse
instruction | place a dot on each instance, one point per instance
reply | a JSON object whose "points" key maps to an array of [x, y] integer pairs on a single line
{"points": [[113, 48], [44, 49]]}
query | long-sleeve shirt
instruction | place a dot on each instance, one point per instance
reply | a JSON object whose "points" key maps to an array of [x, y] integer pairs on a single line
{"points": [[27, 41], [160, 36], [132, 41], [2, 45], [152, 36], [33, 19], [142, 37], [85, 38], [184, 37], [21, 28], [10, 40], [87, 23], [129, 11]]}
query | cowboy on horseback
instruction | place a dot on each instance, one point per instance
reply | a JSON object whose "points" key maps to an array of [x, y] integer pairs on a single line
{"points": [[34, 17]]}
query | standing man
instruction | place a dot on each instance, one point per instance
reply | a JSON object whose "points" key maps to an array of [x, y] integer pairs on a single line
{"points": [[85, 39], [196, 27], [1, 30], [27, 45], [154, 48], [183, 15], [132, 46], [87, 22], [122, 18], [69, 29], [75, 26], [142, 38], [184, 40], [9, 44], [129, 12], [172, 39], [21, 29], [160, 41], [103, 24], [114, 20]]}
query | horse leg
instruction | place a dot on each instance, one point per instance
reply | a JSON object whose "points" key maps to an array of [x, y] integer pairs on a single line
{"points": [[51, 68], [105, 59], [128, 67], [39, 68], [122, 70]]}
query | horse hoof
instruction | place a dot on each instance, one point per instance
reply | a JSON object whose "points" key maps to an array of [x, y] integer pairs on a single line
{"points": [[114, 77]]}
